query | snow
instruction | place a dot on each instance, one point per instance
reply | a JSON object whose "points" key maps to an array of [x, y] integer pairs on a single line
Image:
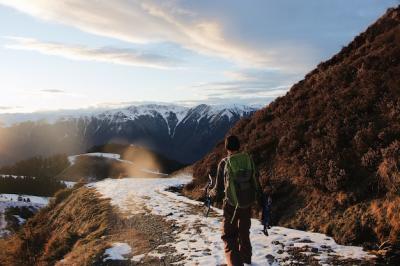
{"points": [[204, 246], [215, 112], [72, 158], [113, 156], [152, 172], [230, 109], [133, 112], [138, 258], [130, 113], [118, 251], [34, 200], [69, 184], [11, 200], [16, 176], [20, 219]]}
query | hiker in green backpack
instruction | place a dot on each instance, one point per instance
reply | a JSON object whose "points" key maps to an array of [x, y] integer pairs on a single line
{"points": [[237, 177]]}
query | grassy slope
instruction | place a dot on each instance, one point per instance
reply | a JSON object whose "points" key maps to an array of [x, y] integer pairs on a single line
{"points": [[71, 227]]}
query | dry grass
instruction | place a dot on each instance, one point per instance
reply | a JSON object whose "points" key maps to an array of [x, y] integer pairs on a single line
{"points": [[77, 227], [386, 215], [70, 228]]}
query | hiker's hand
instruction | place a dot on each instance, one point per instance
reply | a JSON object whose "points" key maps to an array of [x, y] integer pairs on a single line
{"points": [[268, 190], [212, 193]]}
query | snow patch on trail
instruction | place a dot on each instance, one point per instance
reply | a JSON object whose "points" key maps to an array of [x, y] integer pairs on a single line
{"points": [[138, 258], [68, 184], [199, 238], [118, 251]]}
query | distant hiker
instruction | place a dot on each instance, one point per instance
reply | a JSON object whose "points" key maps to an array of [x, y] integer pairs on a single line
{"points": [[237, 177], [266, 202]]}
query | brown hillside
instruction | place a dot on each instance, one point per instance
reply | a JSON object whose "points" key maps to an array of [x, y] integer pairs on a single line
{"points": [[71, 227], [331, 145]]}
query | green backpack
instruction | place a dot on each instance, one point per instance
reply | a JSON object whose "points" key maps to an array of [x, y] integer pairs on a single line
{"points": [[242, 187]]}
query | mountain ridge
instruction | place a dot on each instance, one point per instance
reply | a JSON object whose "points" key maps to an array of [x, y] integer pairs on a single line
{"points": [[180, 133], [10, 119]]}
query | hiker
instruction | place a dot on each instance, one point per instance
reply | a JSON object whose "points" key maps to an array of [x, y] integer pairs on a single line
{"points": [[266, 208], [237, 177]]}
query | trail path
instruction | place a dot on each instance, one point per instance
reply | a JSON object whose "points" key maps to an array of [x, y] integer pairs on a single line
{"points": [[197, 239]]}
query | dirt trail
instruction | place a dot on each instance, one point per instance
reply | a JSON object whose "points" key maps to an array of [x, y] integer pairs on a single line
{"points": [[170, 229]]}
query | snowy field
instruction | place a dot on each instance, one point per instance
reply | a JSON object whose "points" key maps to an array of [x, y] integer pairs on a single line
{"points": [[114, 156], [199, 238], [11, 200]]}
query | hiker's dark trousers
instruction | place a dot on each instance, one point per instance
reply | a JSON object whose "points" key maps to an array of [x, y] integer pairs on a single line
{"points": [[236, 235]]}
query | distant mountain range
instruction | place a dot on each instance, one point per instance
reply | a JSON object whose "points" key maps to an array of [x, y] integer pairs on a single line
{"points": [[184, 134]]}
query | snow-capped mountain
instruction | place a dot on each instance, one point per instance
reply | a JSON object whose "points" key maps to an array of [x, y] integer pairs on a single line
{"points": [[178, 132]]}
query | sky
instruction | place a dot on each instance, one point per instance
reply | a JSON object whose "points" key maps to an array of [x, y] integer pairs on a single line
{"points": [[70, 54]]}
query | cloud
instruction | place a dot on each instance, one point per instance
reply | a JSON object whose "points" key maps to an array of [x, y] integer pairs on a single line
{"points": [[114, 55], [257, 102], [4, 108], [271, 44], [287, 35], [247, 86], [53, 91], [156, 21]]}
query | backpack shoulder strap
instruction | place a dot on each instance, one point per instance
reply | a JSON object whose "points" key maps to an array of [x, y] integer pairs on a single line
{"points": [[231, 184], [254, 175]]}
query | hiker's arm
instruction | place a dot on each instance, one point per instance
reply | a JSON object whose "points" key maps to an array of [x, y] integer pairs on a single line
{"points": [[259, 190], [257, 184], [217, 191]]}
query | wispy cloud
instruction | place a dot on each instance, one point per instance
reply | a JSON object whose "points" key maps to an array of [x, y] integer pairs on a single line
{"points": [[114, 55], [48, 93], [266, 34], [157, 21], [53, 91], [248, 85], [250, 101], [5, 108], [264, 46]]}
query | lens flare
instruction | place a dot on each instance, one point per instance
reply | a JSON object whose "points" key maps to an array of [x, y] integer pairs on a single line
{"points": [[143, 162]]}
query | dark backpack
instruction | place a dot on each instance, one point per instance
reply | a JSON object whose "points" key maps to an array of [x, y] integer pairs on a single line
{"points": [[241, 189]]}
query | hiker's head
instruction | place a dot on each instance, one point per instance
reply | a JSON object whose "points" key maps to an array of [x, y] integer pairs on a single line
{"points": [[232, 143]]}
